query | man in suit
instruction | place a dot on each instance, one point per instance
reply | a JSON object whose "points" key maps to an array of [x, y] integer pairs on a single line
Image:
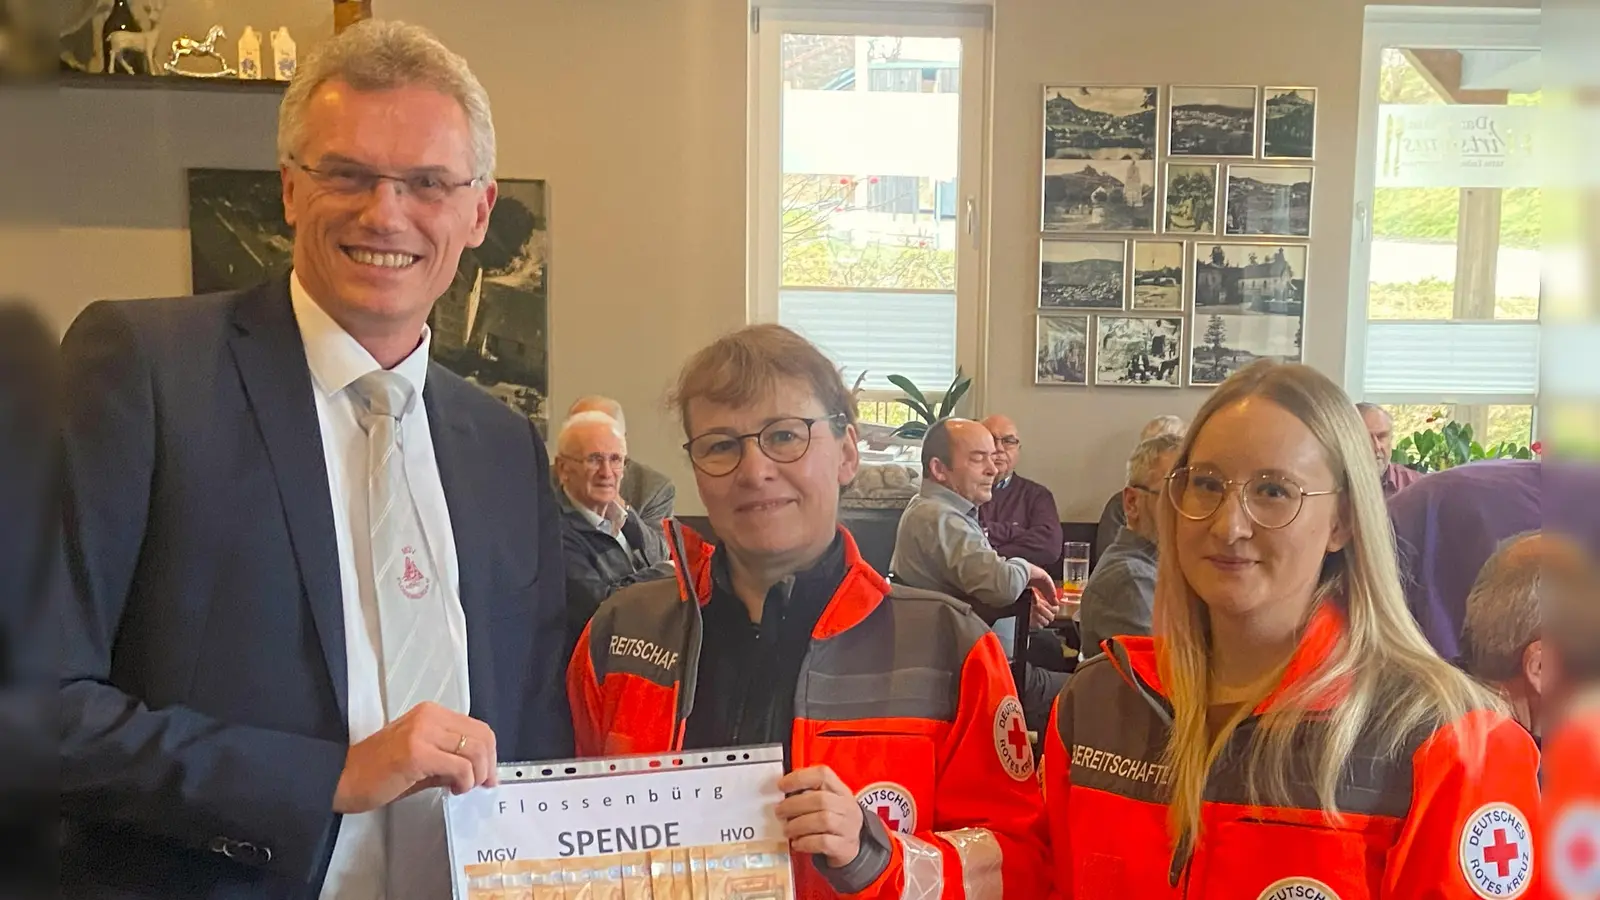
{"points": [[646, 491], [274, 500]]}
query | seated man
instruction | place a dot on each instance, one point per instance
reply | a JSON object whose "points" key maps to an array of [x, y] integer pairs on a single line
{"points": [[1020, 516], [783, 634], [646, 491], [1112, 518], [1502, 634], [1380, 427], [940, 546], [1120, 596], [606, 546]]}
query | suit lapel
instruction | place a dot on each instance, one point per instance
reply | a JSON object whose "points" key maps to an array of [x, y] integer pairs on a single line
{"points": [[466, 496], [272, 365]]}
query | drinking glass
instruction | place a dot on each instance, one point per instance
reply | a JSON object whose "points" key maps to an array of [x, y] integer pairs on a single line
{"points": [[1074, 567]]}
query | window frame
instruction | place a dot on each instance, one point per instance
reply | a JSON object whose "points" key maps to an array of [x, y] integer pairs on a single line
{"points": [[1415, 28], [969, 23]]}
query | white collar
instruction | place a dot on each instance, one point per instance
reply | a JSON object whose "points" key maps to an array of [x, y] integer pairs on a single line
{"points": [[337, 359]]}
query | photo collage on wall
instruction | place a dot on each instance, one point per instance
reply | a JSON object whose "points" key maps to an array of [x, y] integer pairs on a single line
{"points": [[1175, 225]]}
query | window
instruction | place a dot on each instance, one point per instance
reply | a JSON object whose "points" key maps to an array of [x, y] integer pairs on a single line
{"points": [[866, 142], [1446, 290]]}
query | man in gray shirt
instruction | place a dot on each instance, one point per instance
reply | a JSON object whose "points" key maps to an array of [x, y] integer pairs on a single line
{"points": [[1120, 596], [939, 545]]}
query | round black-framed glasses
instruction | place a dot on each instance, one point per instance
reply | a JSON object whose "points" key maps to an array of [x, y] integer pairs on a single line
{"points": [[785, 440], [1270, 500]]}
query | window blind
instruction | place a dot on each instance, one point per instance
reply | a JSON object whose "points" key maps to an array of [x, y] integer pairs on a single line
{"points": [[910, 333], [1456, 359]]}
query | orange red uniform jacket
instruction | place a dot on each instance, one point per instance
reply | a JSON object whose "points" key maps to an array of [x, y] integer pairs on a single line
{"points": [[905, 694], [1572, 803], [1447, 819]]}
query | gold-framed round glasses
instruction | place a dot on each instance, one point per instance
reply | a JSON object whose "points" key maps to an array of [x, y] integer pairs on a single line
{"points": [[1269, 499], [718, 453]]}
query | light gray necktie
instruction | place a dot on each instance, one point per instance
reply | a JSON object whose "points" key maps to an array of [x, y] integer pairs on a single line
{"points": [[419, 659]]}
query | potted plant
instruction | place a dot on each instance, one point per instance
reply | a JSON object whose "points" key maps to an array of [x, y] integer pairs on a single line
{"points": [[1433, 450], [925, 411]]}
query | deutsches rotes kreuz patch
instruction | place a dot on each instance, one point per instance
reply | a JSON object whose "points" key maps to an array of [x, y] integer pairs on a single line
{"points": [[1497, 851], [1298, 889], [891, 803], [1011, 739]]}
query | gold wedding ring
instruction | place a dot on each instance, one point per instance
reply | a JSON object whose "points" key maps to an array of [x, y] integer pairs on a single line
{"points": [[460, 745]]}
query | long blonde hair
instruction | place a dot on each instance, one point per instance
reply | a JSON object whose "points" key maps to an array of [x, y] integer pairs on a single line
{"points": [[1390, 681]]}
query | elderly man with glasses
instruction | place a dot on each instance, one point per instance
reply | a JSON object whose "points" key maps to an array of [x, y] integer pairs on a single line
{"points": [[1020, 516], [910, 768], [1120, 596], [607, 545]]}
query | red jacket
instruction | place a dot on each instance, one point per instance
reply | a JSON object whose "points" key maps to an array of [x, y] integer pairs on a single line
{"points": [[1428, 824], [1572, 804], [905, 694]]}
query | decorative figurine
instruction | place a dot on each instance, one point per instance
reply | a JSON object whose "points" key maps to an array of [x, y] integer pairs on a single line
{"points": [[187, 46], [145, 43], [283, 58], [133, 26], [250, 53]]}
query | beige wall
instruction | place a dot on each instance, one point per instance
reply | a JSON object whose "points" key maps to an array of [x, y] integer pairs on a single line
{"points": [[635, 113]]}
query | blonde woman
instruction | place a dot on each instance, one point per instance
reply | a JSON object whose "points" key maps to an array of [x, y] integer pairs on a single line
{"points": [[1287, 732]]}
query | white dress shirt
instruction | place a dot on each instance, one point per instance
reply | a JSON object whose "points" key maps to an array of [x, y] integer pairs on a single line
{"points": [[337, 360]]}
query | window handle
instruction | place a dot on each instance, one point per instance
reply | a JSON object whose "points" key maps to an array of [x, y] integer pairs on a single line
{"points": [[972, 220], [1364, 217]]}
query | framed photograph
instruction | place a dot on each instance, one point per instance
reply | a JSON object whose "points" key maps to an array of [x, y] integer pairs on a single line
{"points": [[1099, 195], [491, 326], [1212, 121], [1268, 201], [1288, 123], [1224, 344], [1138, 352], [1191, 199], [1084, 121], [1082, 274], [1250, 279], [1157, 275], [1062, 352]]}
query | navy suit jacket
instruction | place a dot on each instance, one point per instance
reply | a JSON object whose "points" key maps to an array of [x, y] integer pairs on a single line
{"points": [[203, 686]]}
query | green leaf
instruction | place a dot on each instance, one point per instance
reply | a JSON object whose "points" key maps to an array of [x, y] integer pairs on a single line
{"points": [[914, 397], [913, 430], [958, 389], [922, 412]]}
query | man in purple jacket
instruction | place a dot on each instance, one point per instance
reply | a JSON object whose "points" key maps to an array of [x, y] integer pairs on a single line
{"points": [[1448, 525], [1021, 517]]}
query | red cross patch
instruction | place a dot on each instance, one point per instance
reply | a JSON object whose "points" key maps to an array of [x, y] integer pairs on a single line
{"points": [[1497, 852], [892, 803], [1011, 740]]}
